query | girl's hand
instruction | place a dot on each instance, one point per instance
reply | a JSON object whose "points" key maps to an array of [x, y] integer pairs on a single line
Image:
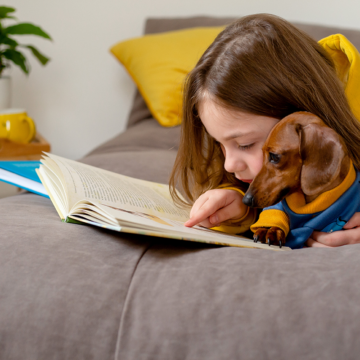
{"points": [[216, 206], [338, 238]]}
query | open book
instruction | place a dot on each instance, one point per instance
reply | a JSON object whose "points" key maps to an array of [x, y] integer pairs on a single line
{"points": [[86, 194]]}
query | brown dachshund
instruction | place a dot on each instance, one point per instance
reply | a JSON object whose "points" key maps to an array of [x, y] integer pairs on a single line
{"points": [[300, 153]]}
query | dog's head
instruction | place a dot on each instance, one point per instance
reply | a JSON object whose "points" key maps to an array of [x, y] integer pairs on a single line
{"points": [[301, 152]]}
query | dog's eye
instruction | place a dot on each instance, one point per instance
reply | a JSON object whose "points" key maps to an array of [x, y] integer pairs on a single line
{"points": [[274, 158]]}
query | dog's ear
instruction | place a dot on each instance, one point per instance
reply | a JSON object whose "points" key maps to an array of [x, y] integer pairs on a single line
{"points": [[322, 151]]}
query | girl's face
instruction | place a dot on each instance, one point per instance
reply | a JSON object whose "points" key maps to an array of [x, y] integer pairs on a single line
{"points": [[241, 137]]}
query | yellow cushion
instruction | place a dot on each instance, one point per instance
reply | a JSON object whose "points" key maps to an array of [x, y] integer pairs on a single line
{"points": [[347, 61], [158, 65]]}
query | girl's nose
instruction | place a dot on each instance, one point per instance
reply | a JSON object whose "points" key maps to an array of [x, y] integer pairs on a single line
{"points": [[233, 164]]}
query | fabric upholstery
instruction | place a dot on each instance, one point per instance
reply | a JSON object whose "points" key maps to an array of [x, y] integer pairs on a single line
{"points": [[62, 286], [226, 303], [143, 135]]}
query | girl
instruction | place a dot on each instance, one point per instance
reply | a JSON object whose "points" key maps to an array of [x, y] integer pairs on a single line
{"points": [[257, 71]]}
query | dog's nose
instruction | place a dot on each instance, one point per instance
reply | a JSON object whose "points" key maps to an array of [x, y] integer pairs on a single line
{"points": [[248, 200]]}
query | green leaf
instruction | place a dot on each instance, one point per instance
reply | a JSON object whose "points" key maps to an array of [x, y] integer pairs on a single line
{"points": [[26, 29], [17, 58], [8, 41], [4, 10], [42, 58]]}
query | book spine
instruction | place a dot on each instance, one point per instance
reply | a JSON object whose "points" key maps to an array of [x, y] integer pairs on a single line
{"points": [[69, 220]]}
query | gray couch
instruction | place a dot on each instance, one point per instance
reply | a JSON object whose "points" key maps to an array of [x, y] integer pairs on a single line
{"points": [[78, 292]]}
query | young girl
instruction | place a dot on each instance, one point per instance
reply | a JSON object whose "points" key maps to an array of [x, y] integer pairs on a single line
{"points": [[257, 71]]}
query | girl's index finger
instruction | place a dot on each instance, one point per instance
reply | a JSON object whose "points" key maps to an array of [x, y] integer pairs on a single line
{"points": [[195, 221], [202, 214], [192, 222]]}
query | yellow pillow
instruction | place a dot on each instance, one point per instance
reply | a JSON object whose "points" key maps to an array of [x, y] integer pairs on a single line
{"points": [[159, 63], [347, 62]]}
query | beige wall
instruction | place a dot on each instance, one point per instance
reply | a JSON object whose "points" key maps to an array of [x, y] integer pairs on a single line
{"points": [[83, 96]]}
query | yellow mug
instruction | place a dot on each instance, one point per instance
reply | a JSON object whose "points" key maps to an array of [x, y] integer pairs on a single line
{"points": [[16, 126]]}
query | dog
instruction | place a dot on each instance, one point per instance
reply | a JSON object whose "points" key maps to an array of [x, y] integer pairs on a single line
{"points": [[308, 174]]}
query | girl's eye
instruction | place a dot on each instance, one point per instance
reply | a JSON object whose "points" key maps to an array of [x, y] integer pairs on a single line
{"points": [[245, 147], [274, 158]]}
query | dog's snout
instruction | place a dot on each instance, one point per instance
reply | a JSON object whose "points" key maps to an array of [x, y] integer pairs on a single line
{"points": [[248, 199]]}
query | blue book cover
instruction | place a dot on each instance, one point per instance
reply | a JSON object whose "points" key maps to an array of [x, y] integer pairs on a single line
{"points": [[23, 175]]}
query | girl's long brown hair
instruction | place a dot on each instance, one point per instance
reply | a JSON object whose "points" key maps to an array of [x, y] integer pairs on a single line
{"points": [[263, 65]]}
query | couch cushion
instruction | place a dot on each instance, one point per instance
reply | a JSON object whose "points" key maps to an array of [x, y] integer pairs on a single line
{"points": [[145, 135], [62, 286], [152, 165], [229, 303]]}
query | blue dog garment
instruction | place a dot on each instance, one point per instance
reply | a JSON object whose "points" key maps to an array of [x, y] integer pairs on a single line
{"points": [[331, 219]]}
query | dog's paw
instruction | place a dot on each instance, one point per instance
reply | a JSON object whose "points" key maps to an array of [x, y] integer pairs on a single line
{"points": [[271, 236]]}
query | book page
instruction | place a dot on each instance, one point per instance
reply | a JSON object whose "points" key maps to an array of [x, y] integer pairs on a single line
{"points": [[141, 223], [85, 182]]}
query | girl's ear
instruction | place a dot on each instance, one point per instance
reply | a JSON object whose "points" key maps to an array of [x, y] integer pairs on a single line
{"points": [[322, 151]]}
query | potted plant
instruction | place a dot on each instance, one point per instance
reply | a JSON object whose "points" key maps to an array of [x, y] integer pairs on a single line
{"points": [[10, 53]]}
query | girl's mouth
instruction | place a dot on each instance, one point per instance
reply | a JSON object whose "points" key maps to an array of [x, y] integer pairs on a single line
{"points": [[245, 180]]}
